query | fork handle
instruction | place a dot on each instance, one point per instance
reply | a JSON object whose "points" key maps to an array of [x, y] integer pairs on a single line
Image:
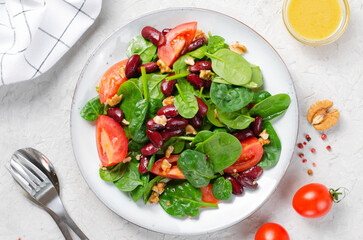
{"points": [[62, 225], [73, 226]]}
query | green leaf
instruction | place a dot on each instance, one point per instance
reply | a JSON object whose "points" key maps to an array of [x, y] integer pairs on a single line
{"points": [[230, 98], [223, 149], [131, 95], [201, 137], [185, 102], [137, 193], [256, 78], [272, 151], [113, 173], [180, 65], [137, 127], [139, 45], [151, 163], [181, 199], [218, 79], [211, 114], [260, 95], [235, 120], [272, 106], [199, 52], [134, 146], [222, 189], [154, 106], [92, 109], [131, 178], [178, 145], [147, 190], [154, 83], [215, 43], [195, 168]]}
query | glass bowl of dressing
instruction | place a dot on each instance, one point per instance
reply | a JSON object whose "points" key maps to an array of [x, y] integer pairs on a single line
{"points": [[316, 22]]}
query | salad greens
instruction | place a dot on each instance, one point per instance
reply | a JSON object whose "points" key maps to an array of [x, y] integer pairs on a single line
{"points": [[222, 189], [272, 151], [92, 109], [145, 49]]}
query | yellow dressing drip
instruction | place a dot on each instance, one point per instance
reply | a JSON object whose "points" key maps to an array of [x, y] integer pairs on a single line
{"points": [[314, 19]]}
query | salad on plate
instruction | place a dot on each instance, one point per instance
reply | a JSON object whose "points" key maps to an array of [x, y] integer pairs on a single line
{"points": [[184, 121]]}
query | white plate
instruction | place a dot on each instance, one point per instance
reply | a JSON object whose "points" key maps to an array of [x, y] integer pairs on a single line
{"points": [[277, 80]]}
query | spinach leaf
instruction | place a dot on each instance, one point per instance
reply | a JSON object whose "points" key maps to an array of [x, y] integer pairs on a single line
{"points": [[131, 95], [223, 149], [92, 109], [139, 190], [113, 173], [211, 114], [272, 106], [127, 132], [235, 120], [153, 84], [230, 98], [260, 95], [131, 178], [181, 199], [272, 151], [219, 130], [199, 52], [215, 43], [134, 146], [180, 65], [149, 186], [154, 106], [138, 82], [201, 137], [231, 66], [151, 163], [207, 125], [137, 127], [195, 168], [178, 145], [139, 45], [256, 78], [218, 79], [185, 102], [222, 189]]}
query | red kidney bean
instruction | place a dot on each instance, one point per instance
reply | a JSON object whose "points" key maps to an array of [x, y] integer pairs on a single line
{"points": [[202, 107], [195, 81], [251, 105], [168, 111], [196, 121], [253, 173], [166, 134], [149, 149], [153, 126], [237, 188], [207, 84], [184, 51], [149, 67], [256, 126], [116, 113], [176, 123], [155, 138], [197, 43], [153, 35], [165, 31], [207, 158], [201, 65], [243, 134], [132, 66], [167, 87], [144, 162], [247, 182]]}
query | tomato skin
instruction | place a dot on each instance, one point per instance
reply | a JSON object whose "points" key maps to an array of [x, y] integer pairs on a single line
{"points": [[252, 152], [111, 81], [111, 141], [271, 231], [312, 200], [207, 195], [176, 40], [174, 172]]}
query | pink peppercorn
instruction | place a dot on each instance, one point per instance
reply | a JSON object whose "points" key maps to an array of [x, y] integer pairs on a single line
{"points": [[323, 136], [328, 147], [313, 150], [299, 145], [304, 160], [301, 155]]}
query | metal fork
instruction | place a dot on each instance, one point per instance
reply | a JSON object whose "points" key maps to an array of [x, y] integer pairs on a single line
{"points": [[41, 189]]}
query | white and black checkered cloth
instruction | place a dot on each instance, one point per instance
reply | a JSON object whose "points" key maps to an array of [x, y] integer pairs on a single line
{"points": [[35, 34]]}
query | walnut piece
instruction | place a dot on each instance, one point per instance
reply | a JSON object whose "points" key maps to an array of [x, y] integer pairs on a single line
{"points": [[125, 122], [159, 188], [165, 165], [116, 99], [263, 140], [238, 48], [169, 151], [189, 129], [189, 61], [200, 34], [102, 167], [168, 101], [138, 157], [127, 159], [206, 75], [163, 67], [160, 120], [154, 198], [319, 116]]}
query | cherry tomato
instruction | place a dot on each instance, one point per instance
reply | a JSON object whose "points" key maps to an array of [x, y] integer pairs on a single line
{"points": [[111, 141], [173, 172], [111, 81], [271, 231], [252, 152], [312, 201], [176, 40], [207, 195]]}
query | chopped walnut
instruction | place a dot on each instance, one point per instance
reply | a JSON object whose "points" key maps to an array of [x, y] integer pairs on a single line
{"points": [[127, 159], [163, 67], [125, 122], [189, 61], [160, 120], [138, 157], [116, 99], [319, 116], [168, 101], [200, 34], [154, 198], [206, 75], [165, 165], [159, 188], [263, 141], [102, 167], [189, 129], [238, 48], [169, 151], [264, 135]]}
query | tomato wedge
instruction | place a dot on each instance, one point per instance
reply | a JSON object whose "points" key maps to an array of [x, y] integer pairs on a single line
{"points": [[252, 152], [207, 195], [177, 39], [173, 172], [111, 141], [111, 81]]}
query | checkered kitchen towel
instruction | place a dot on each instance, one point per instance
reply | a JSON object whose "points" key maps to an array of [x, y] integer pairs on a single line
{"points": [[35, 34]]}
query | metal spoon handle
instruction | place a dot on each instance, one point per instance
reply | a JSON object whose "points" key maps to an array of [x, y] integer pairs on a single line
{"points": [[62, 225], [74, 227]]}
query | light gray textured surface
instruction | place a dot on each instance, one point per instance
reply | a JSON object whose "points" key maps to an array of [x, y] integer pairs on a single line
{"points": [[36, 114]]}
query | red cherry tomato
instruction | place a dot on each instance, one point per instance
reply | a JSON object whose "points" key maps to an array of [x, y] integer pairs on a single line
{"points": [[312, 201], [111, 141], [174, 172], [271, 231], [207, 195], [111, 81], [176, 40], [252, 152]]}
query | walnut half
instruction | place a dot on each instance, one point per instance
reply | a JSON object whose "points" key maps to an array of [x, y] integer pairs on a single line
{"points": [[319, 116]]}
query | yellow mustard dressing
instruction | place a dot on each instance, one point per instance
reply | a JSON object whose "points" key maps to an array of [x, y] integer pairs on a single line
{"points": [[314, 19]]}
